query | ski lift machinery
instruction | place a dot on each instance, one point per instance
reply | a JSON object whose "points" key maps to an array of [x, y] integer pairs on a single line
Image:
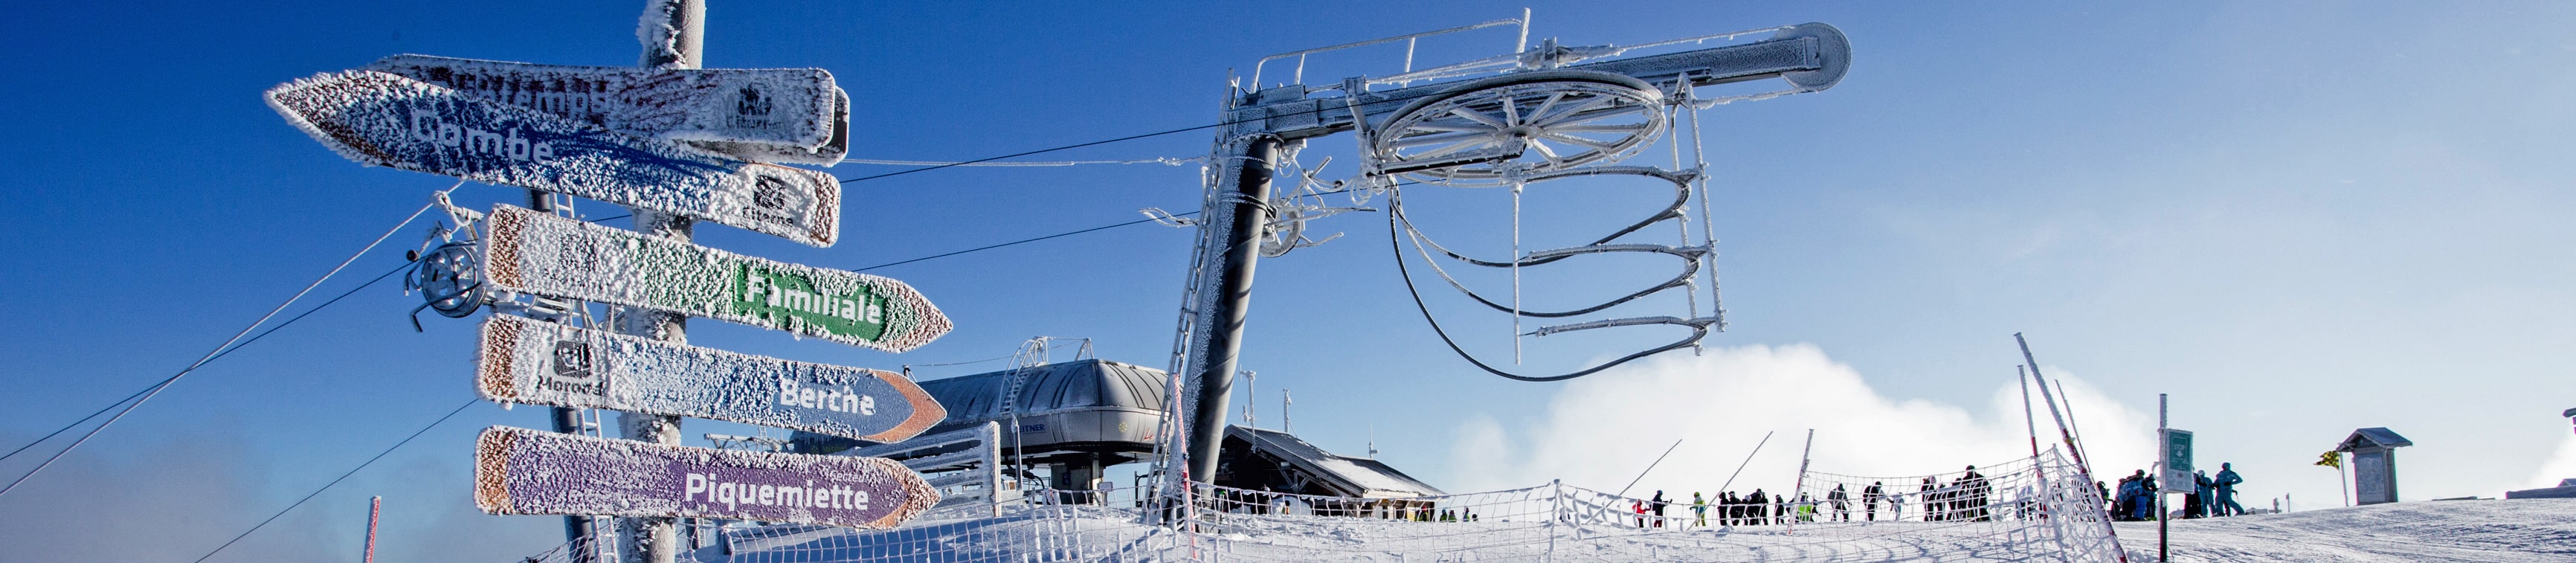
{"points": [[1535, 114]]}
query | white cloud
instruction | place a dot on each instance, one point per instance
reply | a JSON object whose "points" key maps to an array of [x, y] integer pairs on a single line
{"points": [[1599, 431], [2560, 466]]}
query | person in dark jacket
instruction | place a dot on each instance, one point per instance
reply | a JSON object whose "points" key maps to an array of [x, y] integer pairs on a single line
{"points": [[1660, 503], [1972, 495], [1757, 507], [1869, 499], [1931, 500], [1842, 511]]}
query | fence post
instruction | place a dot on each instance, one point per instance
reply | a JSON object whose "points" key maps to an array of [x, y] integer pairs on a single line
{"points": [[1799, 490], [1555, 512]]}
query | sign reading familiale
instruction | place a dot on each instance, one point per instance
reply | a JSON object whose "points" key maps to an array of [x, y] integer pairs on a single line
{"points": [[778, 114], [542, 254], [389, 120], [521, 471], [542, 363]]}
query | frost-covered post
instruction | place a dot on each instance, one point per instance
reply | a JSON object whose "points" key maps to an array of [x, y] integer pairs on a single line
{"points": [[1555, 512], [674, 36]]}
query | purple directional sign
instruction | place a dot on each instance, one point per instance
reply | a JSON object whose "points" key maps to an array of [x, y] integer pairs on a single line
{"points": [[542, 363], [389, 120], [767, 114], [521, 471]]}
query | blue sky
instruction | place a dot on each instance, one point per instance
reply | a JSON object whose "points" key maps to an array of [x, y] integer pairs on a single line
{"points": [[2297, 218]]}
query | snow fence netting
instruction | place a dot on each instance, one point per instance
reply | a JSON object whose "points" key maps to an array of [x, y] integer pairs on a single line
{"points": [[2038, 509]]}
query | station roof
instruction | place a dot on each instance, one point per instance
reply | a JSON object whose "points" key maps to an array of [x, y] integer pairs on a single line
{"points": [[1355, 476], [1078, 384], [2372, 439]]}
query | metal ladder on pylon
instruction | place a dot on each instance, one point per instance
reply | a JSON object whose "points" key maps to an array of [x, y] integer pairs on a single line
{"points": [[1169, 433]]}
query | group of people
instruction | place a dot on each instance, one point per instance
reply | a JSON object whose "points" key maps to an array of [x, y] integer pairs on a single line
{"points": [[2209, 496], [1966, 498], [1756, 509]]}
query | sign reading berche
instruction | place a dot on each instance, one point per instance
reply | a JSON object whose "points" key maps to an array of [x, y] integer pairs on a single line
{"points": [[542, 363]]}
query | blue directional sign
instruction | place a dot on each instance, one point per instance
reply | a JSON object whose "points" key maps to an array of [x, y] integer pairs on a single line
{"points": [[541, 363], [390, 120]]}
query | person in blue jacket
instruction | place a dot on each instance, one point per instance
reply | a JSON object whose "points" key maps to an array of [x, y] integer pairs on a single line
{"points": [[2226, 483]]}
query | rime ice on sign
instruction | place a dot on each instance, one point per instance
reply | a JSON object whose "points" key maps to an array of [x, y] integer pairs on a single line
{"points": [[781, 115], [533, 362], [521, 471], [539, 253], [389, 120]]}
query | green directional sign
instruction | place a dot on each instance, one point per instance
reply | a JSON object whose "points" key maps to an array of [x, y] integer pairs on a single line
{"points": [[2177, 461], [539, 253]]}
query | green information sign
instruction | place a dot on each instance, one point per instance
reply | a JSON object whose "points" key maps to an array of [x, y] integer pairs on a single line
{"points": [[2177, 475], [541, 254]]}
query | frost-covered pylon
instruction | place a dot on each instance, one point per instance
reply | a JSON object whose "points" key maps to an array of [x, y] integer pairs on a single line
{"points": [[1519, 118]]}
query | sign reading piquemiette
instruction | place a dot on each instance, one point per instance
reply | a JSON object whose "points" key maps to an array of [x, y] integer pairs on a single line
{"points": [[521, 471]]}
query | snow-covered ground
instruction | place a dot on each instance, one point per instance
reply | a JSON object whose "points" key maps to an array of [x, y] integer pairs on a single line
{"points": [[2478, 530], [2461, 530]]}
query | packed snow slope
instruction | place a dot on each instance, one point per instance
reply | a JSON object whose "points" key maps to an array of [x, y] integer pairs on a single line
{"points": [[2520, 530]]}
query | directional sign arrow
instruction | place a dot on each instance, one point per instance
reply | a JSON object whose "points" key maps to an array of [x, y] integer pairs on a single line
{"points": [[770, 114], [533, 362], [388, 120], [539, 253], [521, 471]]}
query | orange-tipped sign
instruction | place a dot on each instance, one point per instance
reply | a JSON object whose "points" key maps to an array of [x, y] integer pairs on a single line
{"points": [[520, 471], [541, 363]]}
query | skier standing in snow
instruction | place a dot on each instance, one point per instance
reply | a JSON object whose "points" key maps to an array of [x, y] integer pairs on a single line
{"points": [[1659, 508], [1972, 495], [1699, 509], [1869, 500], [1931, 501], [2226, 483], [1842, 512], [2196, 503]]}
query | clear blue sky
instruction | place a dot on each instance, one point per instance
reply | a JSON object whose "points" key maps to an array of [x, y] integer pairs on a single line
{"points": [[2297, 218]]}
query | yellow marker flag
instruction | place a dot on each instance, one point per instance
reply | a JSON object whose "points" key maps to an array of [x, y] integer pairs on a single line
{"points": [[2331, 459]]}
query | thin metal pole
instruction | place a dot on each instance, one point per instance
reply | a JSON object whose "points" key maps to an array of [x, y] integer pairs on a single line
{"points": [[2065, 432], [1748, 460], [1650, 468], [1798, 489], [1229, 298], [2029, 421], [375, 508], [2164, 516], [2071, 425], [567, 420], [654, 540]]}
